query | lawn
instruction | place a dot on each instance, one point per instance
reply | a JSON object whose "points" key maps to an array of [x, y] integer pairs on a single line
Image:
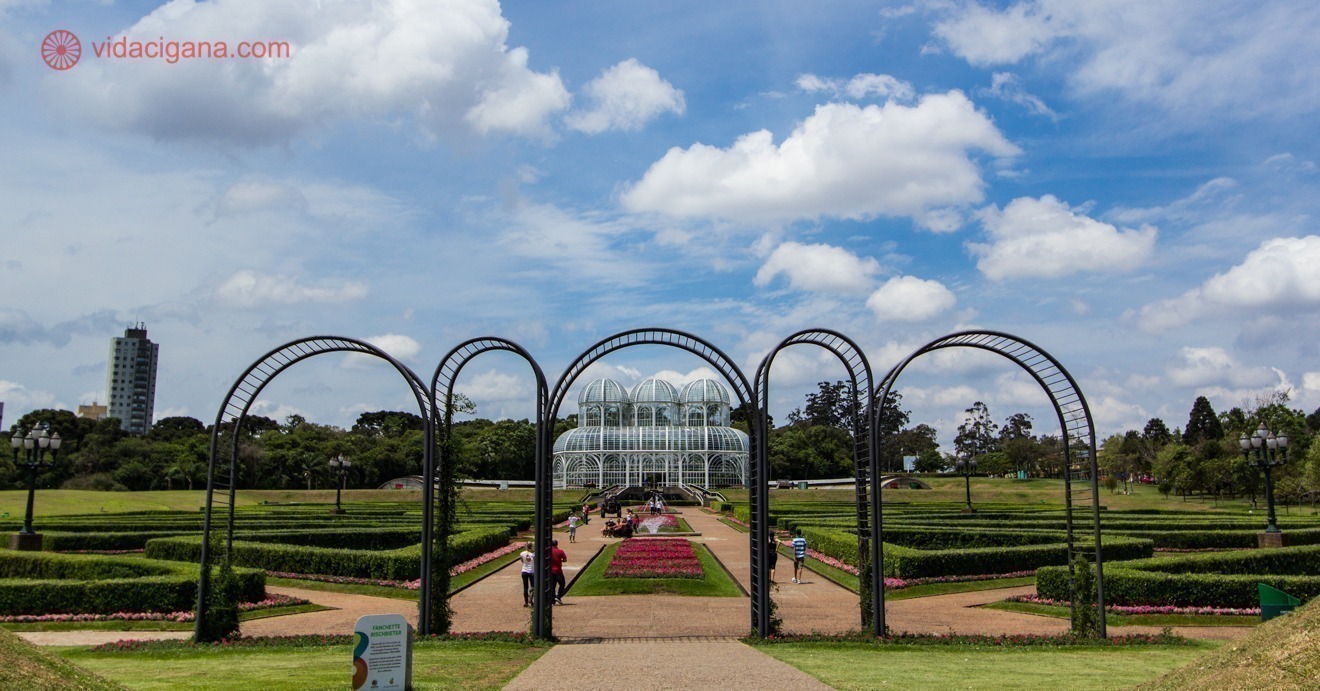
{"points": [[868, 666], [436, 665], [714, 583]]}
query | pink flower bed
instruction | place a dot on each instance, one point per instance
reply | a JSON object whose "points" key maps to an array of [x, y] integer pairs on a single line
{"points": [[272, 601], [654, 558], [900, 583], [1149, 609]]}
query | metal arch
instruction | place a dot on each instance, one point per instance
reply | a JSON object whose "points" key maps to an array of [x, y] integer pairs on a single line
{"points": [[756, 475], [1074, 419], [436, 584], [234, 411], [864, 450]]}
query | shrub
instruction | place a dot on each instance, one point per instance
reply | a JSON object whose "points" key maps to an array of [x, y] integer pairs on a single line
{"points": [[45, 583]]}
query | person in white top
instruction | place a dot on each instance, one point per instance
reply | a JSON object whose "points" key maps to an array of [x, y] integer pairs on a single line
{"points": [[572, 527], [528, 573]]}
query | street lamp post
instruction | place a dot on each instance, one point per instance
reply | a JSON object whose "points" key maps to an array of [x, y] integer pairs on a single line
{"points": [[1271, 451], [34, 459], [339, 465], [967, 467]]}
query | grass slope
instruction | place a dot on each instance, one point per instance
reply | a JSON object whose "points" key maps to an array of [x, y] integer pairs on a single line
{"points": [[1283, 653], [25, 666]]}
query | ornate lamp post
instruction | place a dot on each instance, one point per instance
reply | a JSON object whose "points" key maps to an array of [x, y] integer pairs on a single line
{"points": [[35, 447], [339, 465], [1271, 451], [967, 467]]}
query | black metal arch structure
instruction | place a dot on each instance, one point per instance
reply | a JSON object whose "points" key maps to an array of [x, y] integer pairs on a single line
{"points": [[438, 478], [864, 452], [746, 397], [222, 473], [1080, 473]]}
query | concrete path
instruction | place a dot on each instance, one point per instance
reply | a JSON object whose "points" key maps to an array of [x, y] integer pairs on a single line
{"points": [[667, 663]]}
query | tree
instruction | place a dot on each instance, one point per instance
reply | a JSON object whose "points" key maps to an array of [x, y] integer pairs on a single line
{"points": [[1202, 423], [976, 435], [174, 428], [1017, 426], [1157, 433], [387, 422], [810, 451]]}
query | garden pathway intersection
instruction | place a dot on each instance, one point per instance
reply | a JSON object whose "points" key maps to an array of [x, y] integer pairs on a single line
{"points": [[656, 641]]}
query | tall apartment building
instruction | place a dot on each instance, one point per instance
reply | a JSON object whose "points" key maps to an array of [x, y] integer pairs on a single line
{"points": [[130, 381]]}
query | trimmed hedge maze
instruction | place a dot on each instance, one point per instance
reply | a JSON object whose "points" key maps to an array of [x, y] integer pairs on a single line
{"points": [[1201, 580], [938, 539], [45, 583]]}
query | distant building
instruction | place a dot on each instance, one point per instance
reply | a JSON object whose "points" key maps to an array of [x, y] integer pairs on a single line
{"points": [[130, 381], [656, 435], [93, 411]]}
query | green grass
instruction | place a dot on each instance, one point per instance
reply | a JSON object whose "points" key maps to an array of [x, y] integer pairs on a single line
{"points": [[716, 582], [25, 666], [849, 581], [869, 666], [436, 665], [1132, 619]]}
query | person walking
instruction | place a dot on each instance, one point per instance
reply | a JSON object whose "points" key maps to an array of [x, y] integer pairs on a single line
{"points": [[572, 527], [528, 573], [557, 559], [586, 513], [799, 554]]}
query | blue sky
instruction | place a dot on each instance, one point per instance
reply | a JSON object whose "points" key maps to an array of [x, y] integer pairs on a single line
{"points": [[1130, 185]]}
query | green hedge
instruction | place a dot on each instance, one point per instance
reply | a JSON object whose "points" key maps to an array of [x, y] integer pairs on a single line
{"points": [[1200, 580], [906, 562], [45, 583], [403, 563]]}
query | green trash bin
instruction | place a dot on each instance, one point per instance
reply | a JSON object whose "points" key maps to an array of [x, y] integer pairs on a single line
{"points": [[802, 485], [1274, 602]]}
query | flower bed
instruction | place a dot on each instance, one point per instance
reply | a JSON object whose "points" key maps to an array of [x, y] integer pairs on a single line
{"points": [[272, 601], [1146, 609], [664, 523], [654, 558]]}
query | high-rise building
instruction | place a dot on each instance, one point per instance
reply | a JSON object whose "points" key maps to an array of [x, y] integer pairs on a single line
{"points": [[130, 380]]}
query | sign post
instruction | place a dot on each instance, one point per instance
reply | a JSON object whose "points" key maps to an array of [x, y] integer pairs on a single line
{"points": [[382, 653]]}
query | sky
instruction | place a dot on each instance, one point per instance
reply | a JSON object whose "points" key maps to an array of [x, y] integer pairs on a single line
{"points": [[1129, 185]]}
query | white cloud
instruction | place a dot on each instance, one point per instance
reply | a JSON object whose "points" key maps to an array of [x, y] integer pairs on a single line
{"points": [[1046, 238], [818, 268], [250, 289], [1197, 58], [254, 197], [1279, 275], [1213, 366], [399, 346], [1007, 86], [908, 298], [625, 97], [861, 86], [844, 161], [983, 36], [444, 65], [19, 398]]}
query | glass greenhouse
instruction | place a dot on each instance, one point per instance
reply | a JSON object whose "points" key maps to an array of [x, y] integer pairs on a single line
{"points": [[657, 434]]}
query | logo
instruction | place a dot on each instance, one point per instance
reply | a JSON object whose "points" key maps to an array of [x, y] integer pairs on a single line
{"points": [[61, 49]]}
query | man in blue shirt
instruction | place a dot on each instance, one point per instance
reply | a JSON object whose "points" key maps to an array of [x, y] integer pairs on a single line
{"points": [[799, 554]]}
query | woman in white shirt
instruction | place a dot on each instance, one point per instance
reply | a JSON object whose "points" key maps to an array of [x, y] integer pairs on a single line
{"points": [[528, 573]]}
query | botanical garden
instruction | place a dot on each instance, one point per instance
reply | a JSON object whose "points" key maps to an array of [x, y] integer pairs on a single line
{"points": [[242, 555]]}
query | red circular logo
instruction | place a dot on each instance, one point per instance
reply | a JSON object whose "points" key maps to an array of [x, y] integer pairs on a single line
{"points": [[61, 49]]}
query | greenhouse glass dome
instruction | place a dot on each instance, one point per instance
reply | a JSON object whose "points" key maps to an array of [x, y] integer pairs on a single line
{"points": [[655, 435]]}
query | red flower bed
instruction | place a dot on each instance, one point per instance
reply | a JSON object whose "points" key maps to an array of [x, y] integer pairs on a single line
{"points": [[652, 558]]}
